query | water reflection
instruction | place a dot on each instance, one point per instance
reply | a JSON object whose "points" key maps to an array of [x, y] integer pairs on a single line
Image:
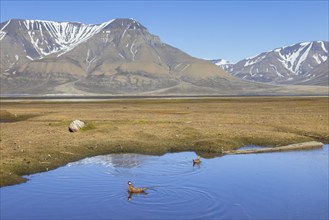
{"points": [[114, 160], [251, 147], [196, 165], [130, 195]]}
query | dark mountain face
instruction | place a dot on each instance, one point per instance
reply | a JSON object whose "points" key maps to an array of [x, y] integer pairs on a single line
{"points": [[298, 64]]}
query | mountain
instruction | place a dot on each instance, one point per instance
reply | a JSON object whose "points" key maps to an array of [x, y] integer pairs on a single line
{"points": [[224, 64], [299, 64], [117, 57]]}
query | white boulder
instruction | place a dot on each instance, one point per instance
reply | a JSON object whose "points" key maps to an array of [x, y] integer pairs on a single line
{"points": [[76, 125]]}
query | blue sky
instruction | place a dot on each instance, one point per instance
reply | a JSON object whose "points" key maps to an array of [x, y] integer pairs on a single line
{"points": [[231, 30]]}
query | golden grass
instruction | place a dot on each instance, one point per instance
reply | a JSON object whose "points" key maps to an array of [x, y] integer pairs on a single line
{"points": [[43, 142]]}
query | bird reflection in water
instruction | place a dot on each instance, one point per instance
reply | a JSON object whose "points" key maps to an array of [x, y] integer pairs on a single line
{"points": [[131, 195], [196, 165]]}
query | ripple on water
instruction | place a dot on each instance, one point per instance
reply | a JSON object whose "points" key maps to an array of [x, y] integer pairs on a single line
{"points": [[170, 201]]}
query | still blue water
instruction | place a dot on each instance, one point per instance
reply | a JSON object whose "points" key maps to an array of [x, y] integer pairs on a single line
{"points": [[285, 185]]}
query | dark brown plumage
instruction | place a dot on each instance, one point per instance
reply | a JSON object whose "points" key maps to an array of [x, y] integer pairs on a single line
{"points": [[132, 189], [197, 161]]}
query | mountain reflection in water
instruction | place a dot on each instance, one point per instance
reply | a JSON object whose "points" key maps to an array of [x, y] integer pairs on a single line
{"points": [[114, 160]]}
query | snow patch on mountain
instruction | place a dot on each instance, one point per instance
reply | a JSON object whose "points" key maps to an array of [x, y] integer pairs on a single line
{"points": [[221, 62], [84, 33], [291, 57], [276, 70], [289, 64], [224, 64], [65, 35], [2, 32], [323, 47], [2, 35], [253, 60]]}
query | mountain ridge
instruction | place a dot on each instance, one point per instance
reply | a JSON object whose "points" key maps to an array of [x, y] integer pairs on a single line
{"points": [[293, 64], [116, 57]]}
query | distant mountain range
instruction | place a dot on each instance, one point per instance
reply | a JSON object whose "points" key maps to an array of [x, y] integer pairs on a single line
{"points": [[117, 57], [299, 64]]}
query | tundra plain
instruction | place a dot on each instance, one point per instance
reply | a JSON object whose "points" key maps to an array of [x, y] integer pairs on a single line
{"points": [[35, 137]]}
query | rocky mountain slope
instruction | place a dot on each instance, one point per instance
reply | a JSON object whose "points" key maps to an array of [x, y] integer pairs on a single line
{"points": [[299, 64], [117, 57]]}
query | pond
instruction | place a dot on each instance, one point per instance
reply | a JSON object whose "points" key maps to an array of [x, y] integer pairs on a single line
{"points": [[289, 185]]}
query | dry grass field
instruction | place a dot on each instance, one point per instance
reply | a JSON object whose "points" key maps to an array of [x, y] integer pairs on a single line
{"points": [[35, 136]]}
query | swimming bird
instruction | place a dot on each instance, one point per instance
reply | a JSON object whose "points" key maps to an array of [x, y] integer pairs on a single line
{"points": [[132, 189], [197, 161]]}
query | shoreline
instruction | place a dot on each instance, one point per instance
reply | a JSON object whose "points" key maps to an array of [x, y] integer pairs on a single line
{"points": [[37, 138], [291, 147]]}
